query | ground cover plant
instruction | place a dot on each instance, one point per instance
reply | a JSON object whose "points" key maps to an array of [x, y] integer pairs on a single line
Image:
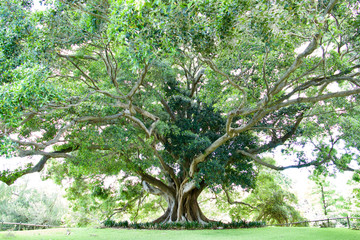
{"points": [[184, 225]]}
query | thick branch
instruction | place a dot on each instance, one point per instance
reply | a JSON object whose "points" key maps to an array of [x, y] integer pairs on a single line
{"points": [[100, 119], [167, 168], [93, 81], [148, 132], [188, 186], [318, 82], [168, 109], [231, 202], [58, 154], [48, 143], [86, 57], [309, 50], [263, 163], [150, 189], [329, 7], [313, 99], [200, 158], [40, 165], [196, 80], [278, 141], [156, 182], [283, 79], [139, 82]]}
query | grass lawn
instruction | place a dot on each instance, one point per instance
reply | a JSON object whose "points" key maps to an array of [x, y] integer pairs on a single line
{"points": [[269, 233]]}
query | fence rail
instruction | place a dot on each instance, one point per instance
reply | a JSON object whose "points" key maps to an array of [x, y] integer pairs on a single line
{"points": [[22, 226], [320, 220]]}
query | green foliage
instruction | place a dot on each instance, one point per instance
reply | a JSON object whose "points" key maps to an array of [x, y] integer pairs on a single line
{"points": [[14, 15], [94, 198], [28, 92], [327, 196], [7, 147], [184, 225], [271, 201], [9, 176], [199, 126]]}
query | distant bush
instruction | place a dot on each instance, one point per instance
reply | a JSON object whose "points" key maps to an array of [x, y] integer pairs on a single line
{"points": [[20, 204]]}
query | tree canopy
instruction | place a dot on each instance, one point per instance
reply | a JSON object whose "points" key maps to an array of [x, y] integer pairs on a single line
{"points": [[185, 95]]}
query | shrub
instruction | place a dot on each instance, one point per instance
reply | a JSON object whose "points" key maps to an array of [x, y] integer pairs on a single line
{"points": [[185, 225]]}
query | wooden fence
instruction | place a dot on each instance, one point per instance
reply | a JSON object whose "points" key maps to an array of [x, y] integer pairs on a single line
{"points": [[24, 226], [327, 220]]}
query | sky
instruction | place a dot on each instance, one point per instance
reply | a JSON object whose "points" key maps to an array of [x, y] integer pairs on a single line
{"points": [[38, 6]]}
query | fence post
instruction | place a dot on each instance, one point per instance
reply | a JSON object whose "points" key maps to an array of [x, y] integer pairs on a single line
{"points": [[348, 221], [328, 222], [19, 226]]}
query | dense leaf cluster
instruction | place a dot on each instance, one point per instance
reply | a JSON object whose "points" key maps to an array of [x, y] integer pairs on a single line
{"points": [[197, 125], [10, 176]]}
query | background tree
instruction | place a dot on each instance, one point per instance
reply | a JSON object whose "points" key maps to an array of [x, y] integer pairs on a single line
{"points": [[176, 91], [270, 201], [327, 196], [94, 198], [21, 204]]}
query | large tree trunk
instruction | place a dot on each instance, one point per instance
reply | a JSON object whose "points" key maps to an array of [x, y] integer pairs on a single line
{"points": [[182, 207]]}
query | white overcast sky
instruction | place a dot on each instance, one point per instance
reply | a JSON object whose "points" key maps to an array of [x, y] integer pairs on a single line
{"points": [[38, 6]]}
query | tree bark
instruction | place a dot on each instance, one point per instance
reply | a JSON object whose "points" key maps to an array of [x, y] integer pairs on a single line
{"points": [[182, 207], [185, 208]]}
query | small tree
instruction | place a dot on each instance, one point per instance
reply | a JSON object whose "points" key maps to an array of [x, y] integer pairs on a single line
{"points": [[270, 201], [327, 195]]}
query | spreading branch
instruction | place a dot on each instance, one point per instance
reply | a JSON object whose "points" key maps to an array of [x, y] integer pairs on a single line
{"points": [[139, 82], [40, 165], [279, 141], [231, 202], [280, 168]]}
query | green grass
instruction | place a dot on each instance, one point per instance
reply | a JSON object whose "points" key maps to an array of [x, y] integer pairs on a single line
{"points": [[269, 233]]}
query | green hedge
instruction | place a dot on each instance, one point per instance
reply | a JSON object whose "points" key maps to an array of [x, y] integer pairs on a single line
{"points": [[184, 225]]}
